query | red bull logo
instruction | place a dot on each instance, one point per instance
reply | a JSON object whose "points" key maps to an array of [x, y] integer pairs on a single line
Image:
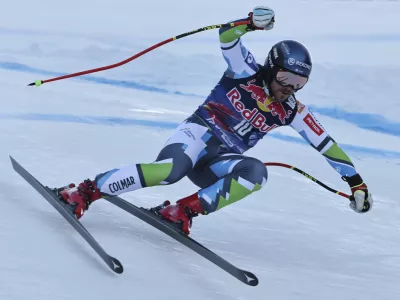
{"points": [[256, 118], [257, 92], [266, 103], [277, 109]]}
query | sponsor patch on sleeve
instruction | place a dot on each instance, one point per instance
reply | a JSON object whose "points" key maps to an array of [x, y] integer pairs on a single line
{"points": [[300, 106], [310, 121]]}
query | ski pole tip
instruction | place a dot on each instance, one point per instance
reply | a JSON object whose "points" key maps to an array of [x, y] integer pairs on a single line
{"points": [[37, 83]]}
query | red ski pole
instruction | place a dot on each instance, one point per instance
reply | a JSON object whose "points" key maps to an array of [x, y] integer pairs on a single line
{"points": [[308, 176], [234, 24]]}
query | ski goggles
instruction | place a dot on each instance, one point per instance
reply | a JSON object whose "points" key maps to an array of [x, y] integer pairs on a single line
{"points": [[286, 78]]}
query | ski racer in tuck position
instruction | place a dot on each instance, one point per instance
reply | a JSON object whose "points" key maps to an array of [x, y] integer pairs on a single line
{"points": [[249, 101]]}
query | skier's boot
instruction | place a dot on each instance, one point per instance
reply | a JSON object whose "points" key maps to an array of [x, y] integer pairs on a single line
{"points": [[182, 212], [79, 198]]}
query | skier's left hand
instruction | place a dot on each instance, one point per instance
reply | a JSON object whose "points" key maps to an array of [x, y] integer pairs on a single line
{"points": [[361, 199], [262, 18]]}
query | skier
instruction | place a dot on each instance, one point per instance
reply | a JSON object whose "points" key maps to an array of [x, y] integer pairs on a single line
{"points": [[249, 101]]}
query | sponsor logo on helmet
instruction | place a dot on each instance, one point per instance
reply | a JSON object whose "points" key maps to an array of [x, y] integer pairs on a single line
{"points": [[291, 61], [302, 64], [275, 52], [299, 71], [271, 64], [285, 48]]}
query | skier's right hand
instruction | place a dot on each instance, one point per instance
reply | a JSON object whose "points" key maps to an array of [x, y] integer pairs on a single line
{"points": [[361, 199], [262, 18]]}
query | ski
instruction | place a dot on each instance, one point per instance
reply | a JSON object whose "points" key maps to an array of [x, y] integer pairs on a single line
{"points": [[154, 220], [145, 215], [52, 198]]}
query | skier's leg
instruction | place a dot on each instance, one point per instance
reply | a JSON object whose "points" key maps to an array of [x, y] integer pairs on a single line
{"points": [[190, 142], [223, 181], [239, 177]]}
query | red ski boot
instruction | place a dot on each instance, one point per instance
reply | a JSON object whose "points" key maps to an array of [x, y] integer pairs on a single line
{"points": [[79, 198], [183, 212]]}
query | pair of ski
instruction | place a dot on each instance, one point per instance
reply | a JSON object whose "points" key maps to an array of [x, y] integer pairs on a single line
{"points": [[145, 215]]}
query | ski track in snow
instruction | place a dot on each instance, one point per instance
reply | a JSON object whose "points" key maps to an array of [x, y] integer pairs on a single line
{"points": [[372, 122]]}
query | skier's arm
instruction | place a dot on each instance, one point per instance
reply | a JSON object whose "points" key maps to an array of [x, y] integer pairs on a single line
{"points": [[241, 63], [311, 130]]}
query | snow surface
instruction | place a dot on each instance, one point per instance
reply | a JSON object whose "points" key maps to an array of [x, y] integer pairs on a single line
{"points": [[300, 240]]}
